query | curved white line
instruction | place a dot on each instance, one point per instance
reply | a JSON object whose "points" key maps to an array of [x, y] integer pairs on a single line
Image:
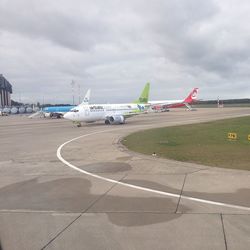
{"points": [[59, 156]]}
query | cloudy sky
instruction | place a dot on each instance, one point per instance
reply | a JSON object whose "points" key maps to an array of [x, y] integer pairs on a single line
{"points": [[114, 47]]}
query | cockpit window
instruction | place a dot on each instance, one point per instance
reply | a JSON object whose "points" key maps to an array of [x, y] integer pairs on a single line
{"points": [[74, 110]]}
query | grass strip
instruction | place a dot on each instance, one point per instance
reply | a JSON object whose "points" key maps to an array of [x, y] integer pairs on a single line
{"points": [[203, 143]]}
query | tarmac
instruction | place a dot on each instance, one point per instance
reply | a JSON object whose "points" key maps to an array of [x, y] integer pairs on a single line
{"points": [[63, 187]]}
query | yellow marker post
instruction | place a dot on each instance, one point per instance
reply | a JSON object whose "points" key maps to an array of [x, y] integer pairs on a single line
{"points": [[249, 137], [232, 136]]}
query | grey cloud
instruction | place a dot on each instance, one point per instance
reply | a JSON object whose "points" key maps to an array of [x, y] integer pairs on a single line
{"points": [[63, 29], [114, 46], [208, 50]]}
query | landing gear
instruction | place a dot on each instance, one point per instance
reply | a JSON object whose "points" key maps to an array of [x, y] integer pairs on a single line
{"points": [[107, 122], [55, 115], [78, 124]]}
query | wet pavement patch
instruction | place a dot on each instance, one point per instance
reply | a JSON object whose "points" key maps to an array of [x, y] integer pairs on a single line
{"points": [[65, 194], [140, 219], [151, 185], [74, 195], [107, 167], [240, 197]]}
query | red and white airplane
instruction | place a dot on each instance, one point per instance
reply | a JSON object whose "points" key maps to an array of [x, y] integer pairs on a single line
{"points": [[167, 104]]}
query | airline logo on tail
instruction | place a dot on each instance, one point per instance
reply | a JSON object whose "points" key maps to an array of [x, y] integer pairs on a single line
{"points": [[195, 93], [86, 98], [192, 96]]}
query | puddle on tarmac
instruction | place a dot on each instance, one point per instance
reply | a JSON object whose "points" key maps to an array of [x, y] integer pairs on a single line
{"points": [[107, 167], [74, 195], [151, 185]]}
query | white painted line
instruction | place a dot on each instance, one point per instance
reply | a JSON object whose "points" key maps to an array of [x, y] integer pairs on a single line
{"points": [[134, 186]]}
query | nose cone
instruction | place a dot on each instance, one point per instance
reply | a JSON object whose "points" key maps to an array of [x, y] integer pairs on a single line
{"points": [[67, 116]]}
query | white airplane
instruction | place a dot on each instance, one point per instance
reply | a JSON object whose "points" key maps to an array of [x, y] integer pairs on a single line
{"points": [[59, 111], [167, 104], [110, 113]]}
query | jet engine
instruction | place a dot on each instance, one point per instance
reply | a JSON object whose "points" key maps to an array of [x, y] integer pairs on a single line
{"points": [[114, 120]]}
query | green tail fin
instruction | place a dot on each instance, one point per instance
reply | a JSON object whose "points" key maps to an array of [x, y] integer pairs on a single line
{"points": [[144, 95]]}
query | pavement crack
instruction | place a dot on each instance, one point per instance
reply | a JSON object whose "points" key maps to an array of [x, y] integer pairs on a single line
{"points": [[223, 230], [83, 212], [184, 181], [103, 195], [199, 170], [59, 233]]}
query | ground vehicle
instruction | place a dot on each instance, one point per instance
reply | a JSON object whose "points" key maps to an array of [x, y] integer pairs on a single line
{"points": [[2, 113]]}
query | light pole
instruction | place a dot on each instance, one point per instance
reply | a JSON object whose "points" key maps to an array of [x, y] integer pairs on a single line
{"points": [[79, 93], [73, 92]]}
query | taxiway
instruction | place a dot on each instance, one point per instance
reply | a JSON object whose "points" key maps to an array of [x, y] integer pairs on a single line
{"points": [[63, 187]]}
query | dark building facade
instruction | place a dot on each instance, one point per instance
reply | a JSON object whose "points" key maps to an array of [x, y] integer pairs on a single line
{"points": [[5, 91]]}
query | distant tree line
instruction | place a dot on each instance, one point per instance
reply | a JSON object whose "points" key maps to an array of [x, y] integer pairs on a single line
{"points": [[228, 101]]}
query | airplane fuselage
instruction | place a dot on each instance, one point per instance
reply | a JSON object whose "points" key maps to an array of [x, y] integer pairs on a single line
{"points": [[57, 109], [97, 112], [167, 102]]}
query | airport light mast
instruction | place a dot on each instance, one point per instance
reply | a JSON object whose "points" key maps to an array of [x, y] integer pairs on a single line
{"points": [[73, 91], [79, 93]]}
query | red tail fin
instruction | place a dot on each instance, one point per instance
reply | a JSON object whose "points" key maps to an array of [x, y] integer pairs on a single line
{"points": [[192, 96]]}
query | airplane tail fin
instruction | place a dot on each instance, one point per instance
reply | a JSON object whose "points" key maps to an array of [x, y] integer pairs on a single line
{"points": [[192, 96], [144, 95], [86, 98]]}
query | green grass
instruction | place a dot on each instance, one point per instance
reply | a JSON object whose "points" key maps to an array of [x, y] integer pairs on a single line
{"points": [[204, 143]]}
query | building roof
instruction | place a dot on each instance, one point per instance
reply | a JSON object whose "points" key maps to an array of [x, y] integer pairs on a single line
{"points": [[4, 84]]}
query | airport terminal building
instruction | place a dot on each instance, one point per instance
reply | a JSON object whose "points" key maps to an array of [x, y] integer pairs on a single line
{"points": [[5, 91]]}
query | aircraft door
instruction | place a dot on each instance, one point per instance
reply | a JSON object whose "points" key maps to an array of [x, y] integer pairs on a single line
{"points": [[86, 112]]}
